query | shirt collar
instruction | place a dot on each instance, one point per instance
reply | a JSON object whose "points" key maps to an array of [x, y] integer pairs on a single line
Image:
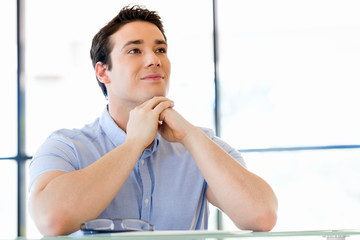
{"points": [[112, 131], [152, 149], [117, 136]]}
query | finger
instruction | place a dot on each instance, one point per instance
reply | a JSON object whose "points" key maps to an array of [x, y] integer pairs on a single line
{"points": [[163, 114], [162, 106], [152, 103]]}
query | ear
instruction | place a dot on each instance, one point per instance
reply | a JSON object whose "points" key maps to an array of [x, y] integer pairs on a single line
{"points": [[100, 70]]}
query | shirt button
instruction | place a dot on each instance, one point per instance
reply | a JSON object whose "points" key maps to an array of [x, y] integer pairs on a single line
{"points": [[142, 161], [146, 201]]}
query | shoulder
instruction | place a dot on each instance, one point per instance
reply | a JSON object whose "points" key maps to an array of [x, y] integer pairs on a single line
{"points": [[64, 142], [87, 133], [224, 145]]}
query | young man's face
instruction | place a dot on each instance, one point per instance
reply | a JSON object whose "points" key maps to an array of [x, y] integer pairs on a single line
{"points": [[140, 66]]}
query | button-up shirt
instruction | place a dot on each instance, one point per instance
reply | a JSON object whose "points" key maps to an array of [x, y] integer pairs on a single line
{"points": [[165, 187]]}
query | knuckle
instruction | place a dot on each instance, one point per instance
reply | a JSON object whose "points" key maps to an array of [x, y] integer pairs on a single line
{"points": [[137, 110]]}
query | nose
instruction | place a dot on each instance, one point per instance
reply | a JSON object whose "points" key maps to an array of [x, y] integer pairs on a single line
{"points": [[152, 60]]}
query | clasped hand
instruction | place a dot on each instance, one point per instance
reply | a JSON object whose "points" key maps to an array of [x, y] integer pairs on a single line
{"points": [[153, 115]]}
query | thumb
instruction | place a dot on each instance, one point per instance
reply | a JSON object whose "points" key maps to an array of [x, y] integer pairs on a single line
{"points": [[163, 115]]}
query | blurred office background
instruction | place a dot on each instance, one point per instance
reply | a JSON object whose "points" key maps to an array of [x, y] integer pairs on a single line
{"points": [[278, 80]]}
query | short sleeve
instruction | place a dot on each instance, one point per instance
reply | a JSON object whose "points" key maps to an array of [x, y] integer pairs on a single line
{"points": [[225, 146], [55, 154]]}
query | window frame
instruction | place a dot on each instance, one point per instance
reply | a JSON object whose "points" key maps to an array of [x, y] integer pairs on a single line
{"points": [[21, 156]]}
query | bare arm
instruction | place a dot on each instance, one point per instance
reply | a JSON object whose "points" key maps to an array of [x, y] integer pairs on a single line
{"points": [[59, 202], [246, 198]]}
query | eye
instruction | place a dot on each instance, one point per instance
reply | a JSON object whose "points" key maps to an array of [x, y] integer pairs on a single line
{"points": [[133, 51], [161, 50]]}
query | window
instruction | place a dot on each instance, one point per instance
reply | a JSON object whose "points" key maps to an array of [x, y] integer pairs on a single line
{"points": [[8, 126], [61, 88], [288, 71], [287, 81], [8, 201], [8, 136], [288, 75]]}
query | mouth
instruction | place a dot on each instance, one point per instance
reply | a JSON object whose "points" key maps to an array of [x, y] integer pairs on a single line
{"points": [[153, 77]]}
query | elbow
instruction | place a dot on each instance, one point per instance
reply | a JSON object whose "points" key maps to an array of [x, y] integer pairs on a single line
{"points": [[53, 224], [266, 217], [263, 220]]}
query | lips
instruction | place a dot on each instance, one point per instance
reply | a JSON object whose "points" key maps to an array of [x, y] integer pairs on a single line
{"points": [[153, 77]]}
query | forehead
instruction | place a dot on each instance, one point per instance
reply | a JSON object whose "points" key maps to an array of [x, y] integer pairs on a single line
{"points": [[138, 30]]}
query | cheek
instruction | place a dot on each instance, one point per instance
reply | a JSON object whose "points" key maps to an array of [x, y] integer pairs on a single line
{"points": [[128, 71], [168, 66]]}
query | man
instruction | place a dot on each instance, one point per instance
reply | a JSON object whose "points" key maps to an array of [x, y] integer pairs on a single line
{"points": [[141, 159]]}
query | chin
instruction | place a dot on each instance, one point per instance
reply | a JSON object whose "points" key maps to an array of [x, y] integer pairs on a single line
{"points": [[150, 94], [162, 94]]}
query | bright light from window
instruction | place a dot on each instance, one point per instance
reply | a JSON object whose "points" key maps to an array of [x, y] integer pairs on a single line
{"points": [[8, 200], [8, 99], [289, 72], [62, 91]]}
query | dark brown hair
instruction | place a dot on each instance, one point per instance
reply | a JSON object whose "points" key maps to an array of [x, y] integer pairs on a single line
{"points": [[101, 45]]}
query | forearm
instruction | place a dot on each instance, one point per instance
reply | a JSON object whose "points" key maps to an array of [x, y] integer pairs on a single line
{"points": [[72, 198], [247, 199]]}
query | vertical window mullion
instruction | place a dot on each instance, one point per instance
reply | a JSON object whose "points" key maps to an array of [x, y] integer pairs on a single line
{"points": [[20, 158]]}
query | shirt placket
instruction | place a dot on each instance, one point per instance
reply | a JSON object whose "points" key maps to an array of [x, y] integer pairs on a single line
{"points": [[146, 182]]}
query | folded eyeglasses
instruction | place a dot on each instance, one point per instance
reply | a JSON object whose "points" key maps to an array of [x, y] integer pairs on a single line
{"points": [[103, 225]]}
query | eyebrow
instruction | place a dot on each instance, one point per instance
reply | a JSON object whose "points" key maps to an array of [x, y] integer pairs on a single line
{"points": [[159, 42], [138, 42]]}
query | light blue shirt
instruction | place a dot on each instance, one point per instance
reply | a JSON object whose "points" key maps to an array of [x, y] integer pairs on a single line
{"points": [[165, 188]]}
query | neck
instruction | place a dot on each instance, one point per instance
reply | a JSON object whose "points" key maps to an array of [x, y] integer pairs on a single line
{"points": [[120, 114]]}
